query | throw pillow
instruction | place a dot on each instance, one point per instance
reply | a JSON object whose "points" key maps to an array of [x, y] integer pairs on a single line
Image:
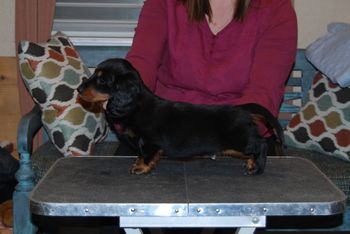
{"points": [[52, 72], [331, 53], [323, 123]]}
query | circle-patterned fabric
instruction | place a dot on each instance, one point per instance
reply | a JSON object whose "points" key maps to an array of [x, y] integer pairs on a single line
{"points": [[52, 72], [323, 123]]}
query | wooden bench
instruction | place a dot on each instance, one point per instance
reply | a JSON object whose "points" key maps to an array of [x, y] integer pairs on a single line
{"points": [[33, 165]]}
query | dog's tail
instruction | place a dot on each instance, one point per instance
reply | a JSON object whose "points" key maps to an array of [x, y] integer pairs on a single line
{"points": [[260, 113]]}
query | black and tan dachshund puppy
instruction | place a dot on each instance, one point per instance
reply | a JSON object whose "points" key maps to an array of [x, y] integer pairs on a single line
{"points": [[173, 129]]}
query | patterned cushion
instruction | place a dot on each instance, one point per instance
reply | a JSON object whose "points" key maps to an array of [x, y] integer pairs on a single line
{"points": [[52, 71], [323, 123]]}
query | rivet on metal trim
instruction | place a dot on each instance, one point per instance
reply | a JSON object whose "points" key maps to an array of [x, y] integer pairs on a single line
{"points": [[255, 219]]}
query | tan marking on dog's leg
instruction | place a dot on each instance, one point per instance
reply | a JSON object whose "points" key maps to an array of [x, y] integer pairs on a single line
{"points": [[250, 163], [140, 167], [130, 133], [250, 166], [139, 162], [156, 158], [234, 154]]}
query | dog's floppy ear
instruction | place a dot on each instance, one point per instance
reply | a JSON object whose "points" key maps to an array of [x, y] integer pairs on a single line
{"points": [[130, 81], [127, 89]]}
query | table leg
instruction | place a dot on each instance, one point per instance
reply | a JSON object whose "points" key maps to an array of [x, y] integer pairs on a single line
{"points": [[133, 231], [246, 230]]}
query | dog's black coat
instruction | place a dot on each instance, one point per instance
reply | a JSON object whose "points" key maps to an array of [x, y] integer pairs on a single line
{"points": [[180, 130]]}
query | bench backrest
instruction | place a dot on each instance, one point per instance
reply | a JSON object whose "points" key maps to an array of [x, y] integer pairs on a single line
{"points": [[297, 87]]}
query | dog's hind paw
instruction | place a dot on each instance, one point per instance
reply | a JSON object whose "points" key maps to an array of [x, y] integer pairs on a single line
{"points": [[139, 170], [249, 167], [252, 168]]}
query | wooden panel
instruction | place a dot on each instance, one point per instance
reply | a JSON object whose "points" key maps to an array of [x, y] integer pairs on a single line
{"points": [[9, 103]]}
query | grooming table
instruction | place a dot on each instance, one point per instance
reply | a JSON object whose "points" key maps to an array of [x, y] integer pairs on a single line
{"points": [[197, 193]]}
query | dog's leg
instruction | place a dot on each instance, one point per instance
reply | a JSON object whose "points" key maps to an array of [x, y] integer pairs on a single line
{"points": [[144, 165], [260, 159], [249, 165], [254, 163], [258, 150]]}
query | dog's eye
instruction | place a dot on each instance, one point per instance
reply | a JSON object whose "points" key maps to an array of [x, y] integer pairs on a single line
{"points": [[101, 80]]}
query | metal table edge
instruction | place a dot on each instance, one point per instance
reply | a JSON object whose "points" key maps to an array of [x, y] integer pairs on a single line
{"points": [[191, 209]]}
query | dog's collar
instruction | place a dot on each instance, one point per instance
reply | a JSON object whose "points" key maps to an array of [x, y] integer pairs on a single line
{"points": [[118, 127]]}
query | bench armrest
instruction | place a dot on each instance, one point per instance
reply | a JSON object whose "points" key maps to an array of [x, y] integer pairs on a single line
{"points": [[28, 126]]}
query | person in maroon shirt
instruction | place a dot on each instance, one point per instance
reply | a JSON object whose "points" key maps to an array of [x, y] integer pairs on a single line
{"points": [[216, 51]]}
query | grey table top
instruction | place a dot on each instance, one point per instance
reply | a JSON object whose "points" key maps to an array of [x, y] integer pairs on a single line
{"points": [[102, 186]]}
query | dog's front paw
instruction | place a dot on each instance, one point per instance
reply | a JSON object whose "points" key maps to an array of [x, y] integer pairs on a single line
{"points": [[140, 167]]}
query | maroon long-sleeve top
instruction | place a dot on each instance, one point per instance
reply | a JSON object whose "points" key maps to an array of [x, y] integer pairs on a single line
{"points": [[246, 62]]}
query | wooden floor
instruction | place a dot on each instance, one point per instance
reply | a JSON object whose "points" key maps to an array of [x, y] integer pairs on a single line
{"points": [[6, 217], [6, 231]]}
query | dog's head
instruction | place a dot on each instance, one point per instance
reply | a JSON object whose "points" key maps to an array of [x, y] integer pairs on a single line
{"points": [[115, 81]]}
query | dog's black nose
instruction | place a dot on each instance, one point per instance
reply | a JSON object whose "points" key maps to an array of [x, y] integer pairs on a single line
{"points": [[80, 89], [82, 85]]}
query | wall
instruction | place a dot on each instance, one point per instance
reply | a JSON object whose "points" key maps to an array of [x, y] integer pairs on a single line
{"points": [[7, 27], [315, 15]]}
